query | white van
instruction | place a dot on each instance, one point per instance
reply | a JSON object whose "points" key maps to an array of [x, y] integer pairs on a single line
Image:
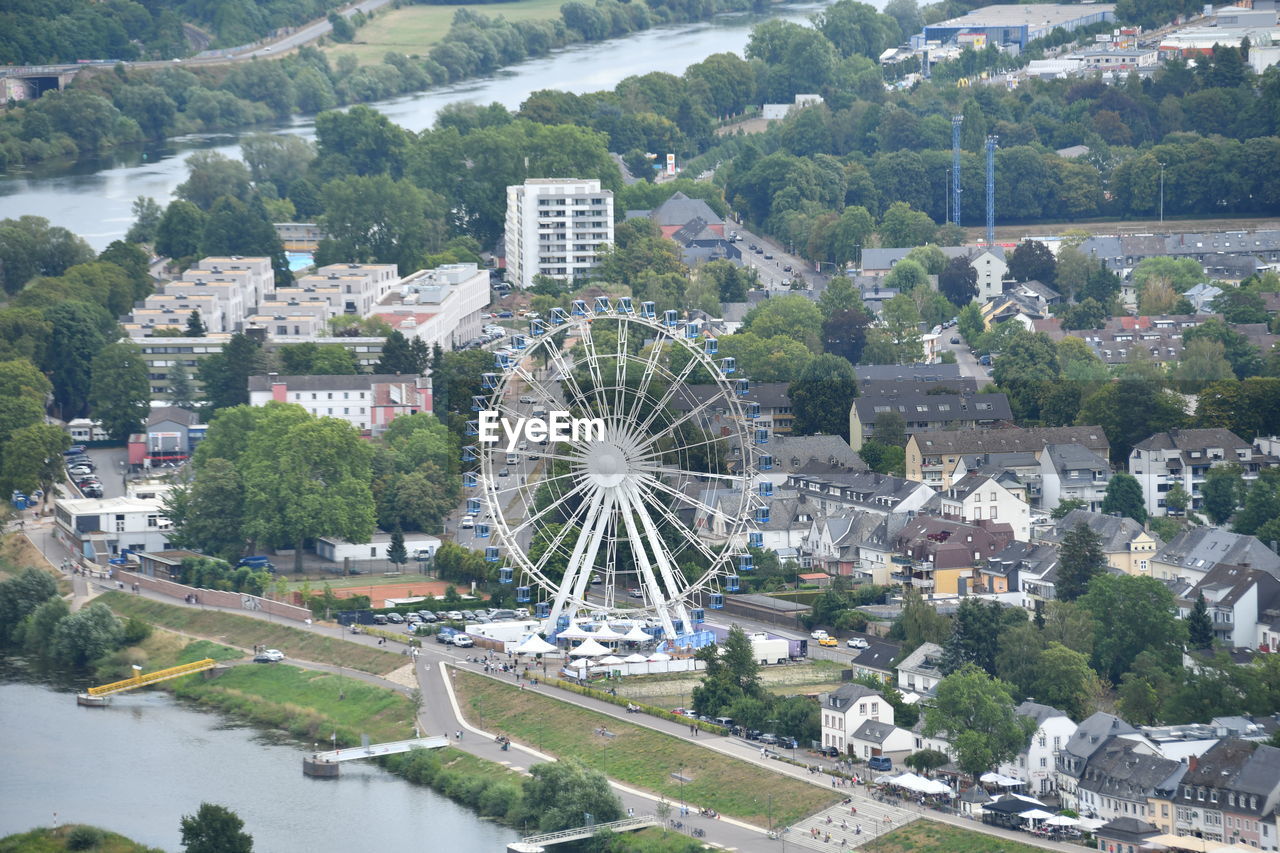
{"points": [[468, 522], [512, 458]]}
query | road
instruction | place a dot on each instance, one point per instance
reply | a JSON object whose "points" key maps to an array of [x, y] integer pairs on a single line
{"points": [[968, 363], [772, 271]]}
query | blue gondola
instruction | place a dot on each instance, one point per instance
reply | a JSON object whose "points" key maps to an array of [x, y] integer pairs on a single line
{"points": [[519, 342], [479, 404], [578, 307], [559, 316], [491, 554], [624, 305], [542, 609], [470, 480], [755, 540], [711, 346], [742, 387], [602, 305], [503, 360], [473, 428], [731, 583], [648, 310], [762, 515], [504, 575], [753, 411], [728, 365], [765, 489], [671, 319], [538, 328], [746, 562], [562, 621], [717, 601], [692, 329], [482, 531], [522, 594], [762, 436], [489, 381], [697, 615], [473, 505], [469, 453], [766, 462]]}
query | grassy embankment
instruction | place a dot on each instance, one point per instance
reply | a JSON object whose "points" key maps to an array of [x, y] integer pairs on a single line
{"points": [[17, 553], [413, 29], [637, 755], [71, 837], [927, 835], [245, 632]]}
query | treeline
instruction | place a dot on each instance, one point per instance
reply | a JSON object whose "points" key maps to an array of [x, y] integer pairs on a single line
{"points": [[36, 32]]}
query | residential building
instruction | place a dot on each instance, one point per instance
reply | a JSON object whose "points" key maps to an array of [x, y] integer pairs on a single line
{"points": [[368, 402], [988, 262], [980, 497], [920, 671], [295, 325], [1229, 794], [1035, 763], [1089, 737], [375, 550], [440, 306], [98, 529], [807, 454], [1127, 545], [1070, 472], [172, 434], [870, 374], [255, 274], [853, 543], [876, 660], [1023, 466], [555, 227], [1016, 307], [1183, 458], [943, 557], [775, 413], [1122, 778], [846, 708], [872, 739], [1125, 835], [1195, 552], [865, 490], [346, 288], [932, 456], [1238, 599], [926, 412], [1019, 567]]}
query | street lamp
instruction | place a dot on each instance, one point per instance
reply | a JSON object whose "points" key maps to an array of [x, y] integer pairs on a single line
{"points": [[1162, 193]]}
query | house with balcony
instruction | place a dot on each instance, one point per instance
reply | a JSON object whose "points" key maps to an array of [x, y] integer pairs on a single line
{"points": [[1194, 553], [846, 709], [1127, 545], [938, 556], [838, 493], [1072, 472], [1019, 567], [920, 671], [1023, 466], [98, 529], [982, 497], [1183, 458], [1035, 763], [931, 457], [1238, 600]]}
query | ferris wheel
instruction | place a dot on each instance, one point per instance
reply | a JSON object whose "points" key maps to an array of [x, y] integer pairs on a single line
{"points": [[616, 459]]}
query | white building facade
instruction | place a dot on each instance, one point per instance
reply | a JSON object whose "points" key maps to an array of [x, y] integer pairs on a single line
{"points": [[555, 227]]}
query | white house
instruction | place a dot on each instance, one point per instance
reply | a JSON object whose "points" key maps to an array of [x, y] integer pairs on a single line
{"points": [[873, 739], [979, 496], [1072, 472], [846, 708], [340, 550], [101, 528], [1034, 764], [1182, 458], [919, 672], [369, 402], [1238, 600], [440, 306]]}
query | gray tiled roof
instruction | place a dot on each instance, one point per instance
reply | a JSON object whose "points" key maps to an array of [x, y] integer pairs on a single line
{"points": [[843, 697], [1116, 533], [1094, 731], [874, 732], [1193, 439], [916, 407], [680, 209], [1009, 440], [906, 372], [794, 452], [1038, 712], [1201, 548]]}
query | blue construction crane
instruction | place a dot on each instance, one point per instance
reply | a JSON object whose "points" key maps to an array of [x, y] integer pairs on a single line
{"points": [[991, 189], [956, 121]]}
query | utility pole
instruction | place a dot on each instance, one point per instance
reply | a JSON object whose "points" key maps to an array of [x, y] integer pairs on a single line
{"points": [[1162, 193]]}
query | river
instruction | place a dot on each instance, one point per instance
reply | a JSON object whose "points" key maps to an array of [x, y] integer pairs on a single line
{"points": [[139, 765], [92, 197]]}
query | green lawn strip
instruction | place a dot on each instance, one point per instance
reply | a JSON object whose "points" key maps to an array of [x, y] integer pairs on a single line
{"points": [[246, 632], [308, 704], [927, 835], [414, 29], [46, 840], [639, 756], [201, 649]]}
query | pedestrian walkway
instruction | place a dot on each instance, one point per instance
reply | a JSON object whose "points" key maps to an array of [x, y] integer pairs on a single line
{"points": [[848, 825]]}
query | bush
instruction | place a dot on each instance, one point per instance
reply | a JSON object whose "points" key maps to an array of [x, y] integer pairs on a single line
{"points": [[85, 838], [135, 631]]}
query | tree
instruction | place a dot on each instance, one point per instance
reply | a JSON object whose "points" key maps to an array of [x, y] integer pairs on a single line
{"points": [[906, 275], [926, 760], [20, 596], [1129, 411], [1221, 492], [1065, 681], [1133, 613], [120, 394], [958, 281], [1203, 362], [396, 553], [796, 317], [400, 355], [1124, 495], [31, 247], [844, 333], [1243, 356], [821, 397], [1199, 625], [146, 219], [86, 635], [179, 231], [210, 176], [902, 326], [209, 513], [31, 458], [969, 322], [903, 227], [1237, 305], [1177, 499], [379, 220], [559, 793], [225, 375], [891, 429], [976, 712], [1066, 506], [215, 829], [195, 326], [976, 634], [1033, 261], [1081, 560], [1180, 274]]}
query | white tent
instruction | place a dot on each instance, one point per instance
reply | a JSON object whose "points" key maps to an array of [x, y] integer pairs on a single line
{"points": [[1036, 814], [1061, 820], [574, 632], [912, 782], [589, 648], [637, 635], [534, 645], [605, 634], [610, 660], [580, 664], [1091, 823], [1000, 779], [936, 787], [634, 659], [658, 657]]}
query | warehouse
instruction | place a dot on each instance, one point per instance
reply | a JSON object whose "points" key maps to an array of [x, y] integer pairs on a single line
{"points": [[1013, 24]]}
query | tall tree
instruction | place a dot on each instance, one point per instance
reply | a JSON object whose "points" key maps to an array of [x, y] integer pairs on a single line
{"points": [[208, 514], [182, 392], [559, 793], [1199, 625], [215, 829], [195, 326], [402, 356], [179, 230], [976, 711], [80, 330], [1032, 260], [821, 397], [1081, 559], [958, 281], [1222, 492], [225, 375], [120, 394], [1133, 613], [1124, 495], [396, 553], [31, 458]]}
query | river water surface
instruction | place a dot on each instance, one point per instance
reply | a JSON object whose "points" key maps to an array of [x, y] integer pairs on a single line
{"points": [[139, 765], [92, 198]]}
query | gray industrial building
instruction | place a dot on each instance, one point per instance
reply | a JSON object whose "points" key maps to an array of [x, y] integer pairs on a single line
{"points": [[1015, 24]]}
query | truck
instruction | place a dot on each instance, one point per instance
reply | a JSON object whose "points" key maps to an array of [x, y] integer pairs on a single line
{"points": [[766, 650]]}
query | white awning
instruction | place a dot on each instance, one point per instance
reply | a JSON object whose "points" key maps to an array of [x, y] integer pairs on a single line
{"points": [[589, 648]]}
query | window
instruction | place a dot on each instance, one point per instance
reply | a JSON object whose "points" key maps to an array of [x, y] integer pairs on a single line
{"points": [[373, 552], [1044, 762]]}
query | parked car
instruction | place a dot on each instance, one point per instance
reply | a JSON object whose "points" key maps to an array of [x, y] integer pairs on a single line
{"points": [[635, 593], [79, 470], [505, 315], [468, 614], [769, 738], [413, 618], [856, 643], [379, 619], [395, 618], [455, 616], [445, 635], [462, 641], [73, 450], [880, 762], [829, 752], [468, 522], [768, 256], [269, 656], [955, 340], [788, 743], [527, 400]]}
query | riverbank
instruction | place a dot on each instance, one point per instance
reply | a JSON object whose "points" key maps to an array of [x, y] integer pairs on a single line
{"points": [[72, 836]]}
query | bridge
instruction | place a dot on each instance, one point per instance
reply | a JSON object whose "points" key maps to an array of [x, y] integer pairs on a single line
{"points": [[325, 764], [533, 843], [98, 695], [27, 82]]}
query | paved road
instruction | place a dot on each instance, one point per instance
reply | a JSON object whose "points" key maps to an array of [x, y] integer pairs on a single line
{"points": [[964, 358]]}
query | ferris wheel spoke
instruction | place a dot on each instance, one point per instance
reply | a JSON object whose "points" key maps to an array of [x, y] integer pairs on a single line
{"points": [[646, 378], [650, 580], [687, 416], [555, 546], [592, 359], [692, 503], [620, 367], [690, 535], [571, 581], [535, 386], [567, 378], [676, 383], [671, 576], [582, 486], [654, 469]]}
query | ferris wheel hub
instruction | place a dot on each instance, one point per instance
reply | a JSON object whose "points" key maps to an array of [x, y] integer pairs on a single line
{"points": [[607, 465]]}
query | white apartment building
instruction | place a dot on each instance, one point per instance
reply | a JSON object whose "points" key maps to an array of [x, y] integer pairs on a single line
{"points": [[845, 709], [100, 528], [293, 323], [256, 274], [347, 288], [1035, 763], [1183, 458], [555, 226], [1072, 472], [230, 297], [979, 496], [367, 402], [441, 306]]}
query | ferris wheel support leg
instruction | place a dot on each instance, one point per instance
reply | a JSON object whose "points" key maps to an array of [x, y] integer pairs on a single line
{"points": [[656, 593], [574, 576], [664, 565]]}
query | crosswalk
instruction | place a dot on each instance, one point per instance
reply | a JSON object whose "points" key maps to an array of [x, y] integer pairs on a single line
{"points": [[837, 828]]}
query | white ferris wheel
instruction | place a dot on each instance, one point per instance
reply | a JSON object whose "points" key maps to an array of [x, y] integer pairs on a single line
{"points": [[621, 484]]}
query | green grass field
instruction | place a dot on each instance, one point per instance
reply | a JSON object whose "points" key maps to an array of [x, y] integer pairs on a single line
{"points": [[245, 632], [638, 755], [926, 836], [414, 29]]}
